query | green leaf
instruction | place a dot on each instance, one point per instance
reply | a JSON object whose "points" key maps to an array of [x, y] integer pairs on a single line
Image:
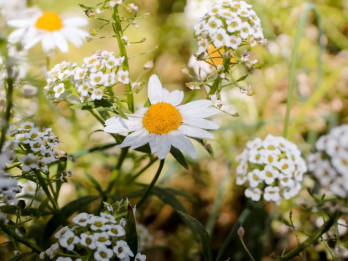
{"points": [[168, 197], [21, 256], [177, 154], [198, 229], [131, 231], [93, 104], [95, 183], [60, 218], [242, 78]]}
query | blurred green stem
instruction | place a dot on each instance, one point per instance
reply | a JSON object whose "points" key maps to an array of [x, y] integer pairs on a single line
{"points": [[9, 104], [246, 248], [313, 238], [134, 177], [13, 234], [234, 230], [46, 190], [300, 27], [116, 25], [152, 184]]}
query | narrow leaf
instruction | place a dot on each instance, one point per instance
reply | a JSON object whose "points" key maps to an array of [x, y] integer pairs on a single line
{"points": [[198, 229], [177, 154], [131, 231]]}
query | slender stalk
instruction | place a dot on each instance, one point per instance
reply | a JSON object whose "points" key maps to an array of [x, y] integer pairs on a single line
{"points": [[123, 52], [233, 231], [300, 27], [152, 184], [96, 148], [9, 104], [18, 238], [45, 188], [246, 249], [134, 177], [311, 239]]}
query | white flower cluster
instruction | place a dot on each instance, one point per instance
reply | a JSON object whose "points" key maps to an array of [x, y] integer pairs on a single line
{"points": [[96, 77], [229, 24], [103, 236], [329, 164], [36, 147], [8, 184], [272, 167]]}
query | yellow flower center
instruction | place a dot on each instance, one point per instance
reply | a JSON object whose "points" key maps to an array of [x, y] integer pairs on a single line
{"points": [[162, 118], [49, 21]]}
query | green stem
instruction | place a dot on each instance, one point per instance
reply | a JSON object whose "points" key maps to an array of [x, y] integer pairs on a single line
{"points": [[152, 184], [123, 52], [45, 188], [96, 148], [116, 173], [233, 231], [18, 238], [246, 249], [312, 239], [294, 57], [9, 105], [142, 170]]}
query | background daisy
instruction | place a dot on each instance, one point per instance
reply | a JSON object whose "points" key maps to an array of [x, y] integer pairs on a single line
{"points": [[165, 123], [49, 29]]}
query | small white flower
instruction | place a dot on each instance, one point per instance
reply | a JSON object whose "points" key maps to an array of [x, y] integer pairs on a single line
{"points": [[253, 193], [254, 177], [58, 89], [271, 194], [269, 174], [68, 240], [97, 223], [102, 239], [88, 241], [103, 254], [140, 257], [97, 94], [81, 219], [97, 78], [122, 250], [123, 76], [115, 230]]}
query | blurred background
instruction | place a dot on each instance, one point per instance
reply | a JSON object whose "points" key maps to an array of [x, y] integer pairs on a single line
{"points": [[320, 102]]}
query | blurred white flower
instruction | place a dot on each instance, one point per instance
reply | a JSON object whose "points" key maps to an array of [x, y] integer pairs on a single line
{"points": [[329, 164], [49, 29], [272, 167]]}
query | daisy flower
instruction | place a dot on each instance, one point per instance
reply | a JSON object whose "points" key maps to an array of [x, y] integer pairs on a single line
{"points": [[165, 123], [49, 29]]}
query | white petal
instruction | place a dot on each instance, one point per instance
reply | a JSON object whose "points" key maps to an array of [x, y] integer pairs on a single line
{"points": [[119, 125], [136, 139], [20, 22], [17, 35], [195, 132], [199, 104], [48, 43], [202, 113], [154, 143], [155, 90], [61, 43], [174, 98], [200, 123], [164, 146], [180, 142], [74, 35], [75, 21], [31, 38]]}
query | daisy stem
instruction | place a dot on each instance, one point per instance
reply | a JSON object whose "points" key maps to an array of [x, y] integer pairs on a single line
{"points": [[246, 249], [152, 161], [116, 25], [313, 238], [152, 184], [18, 238]]}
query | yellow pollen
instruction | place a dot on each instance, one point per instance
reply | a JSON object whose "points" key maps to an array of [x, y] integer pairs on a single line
{"points": [[162, 118], [49, 21]]}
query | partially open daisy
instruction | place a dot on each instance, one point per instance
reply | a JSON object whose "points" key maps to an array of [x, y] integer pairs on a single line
{"points": [[165, 123], [49, 29]]}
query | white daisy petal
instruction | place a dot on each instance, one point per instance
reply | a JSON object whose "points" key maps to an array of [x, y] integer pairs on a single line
{"points": [[154, 143], [174, 98], [120, 125], [60, 42], [200, 123], [75, 21], [195, 132], [195, 105], [20, 22], [48, 43], [136, 139], [202, 113], [164, 146], [180, 142], [76, 36], [17, 35], [155, 90]]}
